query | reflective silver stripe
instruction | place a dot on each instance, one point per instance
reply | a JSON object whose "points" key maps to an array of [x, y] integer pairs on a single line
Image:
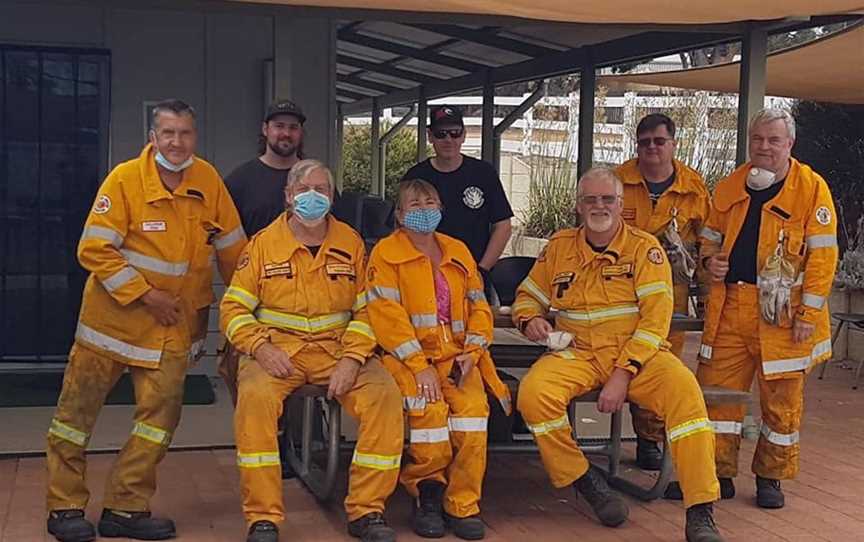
{"points": [[468, 424], [587, 316], [475, 295], [711, 235], [478, 340], [61, 430], [106, 234], [415, 403], [726, 427], [546, 427], [647, 337], [686, 429], [813, 300], [244, 297], [253, 461], [356, 326], [531, 287], [375, 461], [424, 320], [705, 351], [821, 350], [360, 302], [382, 292], [156, 265], [297, 322], [237, 322], [457, 326], [105, 342], [120, 278], [236, 235], [780, 439], [785, 365], [821, 241], [429, 436], [407, 349], [653, 288], [151, 433]]}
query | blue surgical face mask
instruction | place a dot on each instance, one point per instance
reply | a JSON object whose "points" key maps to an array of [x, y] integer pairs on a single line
{"points": [[311, 206], [422, 220], [170, 166]]}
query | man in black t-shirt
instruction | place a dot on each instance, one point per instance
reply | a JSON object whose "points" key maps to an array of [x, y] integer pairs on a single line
{"points": [[257, 186], [476, 210]]}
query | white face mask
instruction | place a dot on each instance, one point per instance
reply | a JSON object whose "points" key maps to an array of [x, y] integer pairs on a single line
{"points": [[760, 179], [170, 166]]}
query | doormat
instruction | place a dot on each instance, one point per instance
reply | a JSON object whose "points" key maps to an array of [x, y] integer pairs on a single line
{"points": [[43, 389]]}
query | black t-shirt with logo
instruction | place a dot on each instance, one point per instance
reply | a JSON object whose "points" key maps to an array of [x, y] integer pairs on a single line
{"points": [[473, 200], [258, 191]]}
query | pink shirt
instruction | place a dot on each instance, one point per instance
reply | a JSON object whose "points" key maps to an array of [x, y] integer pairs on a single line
{"points": [[442, 297]]}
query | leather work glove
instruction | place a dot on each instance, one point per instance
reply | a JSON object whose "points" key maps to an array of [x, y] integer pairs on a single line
{"points": [[682, 263]]}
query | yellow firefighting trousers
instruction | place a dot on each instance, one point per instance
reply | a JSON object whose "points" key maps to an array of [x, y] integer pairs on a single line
{"points": [[158, 400], [374, 400], [664, 385], [736, 358], [447, 442]]}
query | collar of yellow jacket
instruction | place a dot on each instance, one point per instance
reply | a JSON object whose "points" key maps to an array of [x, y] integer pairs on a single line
{"points": [[154, 188], [687, 180], [398, 248], [337, 243], [613, 251], [733, 189]]}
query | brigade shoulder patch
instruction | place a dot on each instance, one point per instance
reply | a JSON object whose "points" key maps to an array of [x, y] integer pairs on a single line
{"points": [[823, 215], [102, 205], [655, 255], [243, 261]]}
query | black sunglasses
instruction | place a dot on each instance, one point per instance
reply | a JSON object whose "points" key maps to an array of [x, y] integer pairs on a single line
{"points": [[658, 141], [455, 133]]}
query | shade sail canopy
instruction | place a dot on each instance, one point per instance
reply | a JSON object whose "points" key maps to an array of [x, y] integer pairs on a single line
{"points": [[609, 11], [827, 70]]}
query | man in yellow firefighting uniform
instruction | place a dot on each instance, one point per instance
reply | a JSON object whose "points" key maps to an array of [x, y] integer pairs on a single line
{"points": [[669, 200], [149, 241], [296, 309], [770, 248], [610, 286], [429, 312]]}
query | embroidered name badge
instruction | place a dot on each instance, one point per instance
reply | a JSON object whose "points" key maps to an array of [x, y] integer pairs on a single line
{"points": [[629, 213], [278, 269], [340, 269], [617, 270], [154, 225]]}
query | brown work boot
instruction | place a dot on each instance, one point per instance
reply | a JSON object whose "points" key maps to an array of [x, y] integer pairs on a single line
{"points": [[700, 524], [608, 506], [70, 526]]}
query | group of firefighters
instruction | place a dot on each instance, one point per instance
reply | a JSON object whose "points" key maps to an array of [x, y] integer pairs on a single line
{"points": [[405, 333]]}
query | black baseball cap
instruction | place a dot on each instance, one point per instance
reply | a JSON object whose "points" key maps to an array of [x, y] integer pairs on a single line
{"points": [[284, 107], [445, 115]]}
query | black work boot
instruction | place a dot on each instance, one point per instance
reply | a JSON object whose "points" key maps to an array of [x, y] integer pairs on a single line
{"points": [[608, 506], [428, 509], [768, 493], [263, 531], [468, 528], [648, 455], [700, 524], [673, 490], [137, 525], [371, 528], [70, 526]]}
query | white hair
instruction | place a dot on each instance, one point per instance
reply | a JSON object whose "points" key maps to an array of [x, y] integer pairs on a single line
{"points": [[601, 172], [303, 168], [770, 114]]}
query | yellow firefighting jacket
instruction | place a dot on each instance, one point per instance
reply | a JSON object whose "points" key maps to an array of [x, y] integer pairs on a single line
{"points": [[804, 211], [282, 294], [140, 236], [687, 201], [404, 313], [617, 304]]}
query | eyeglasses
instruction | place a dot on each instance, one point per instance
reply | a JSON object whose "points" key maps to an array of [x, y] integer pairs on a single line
{"points": [[606, 199], [658, 141], [455, 133]]}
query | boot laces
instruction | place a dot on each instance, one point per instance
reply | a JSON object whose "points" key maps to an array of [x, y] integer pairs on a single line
{"points": [[374, 519], [701, 516]]}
